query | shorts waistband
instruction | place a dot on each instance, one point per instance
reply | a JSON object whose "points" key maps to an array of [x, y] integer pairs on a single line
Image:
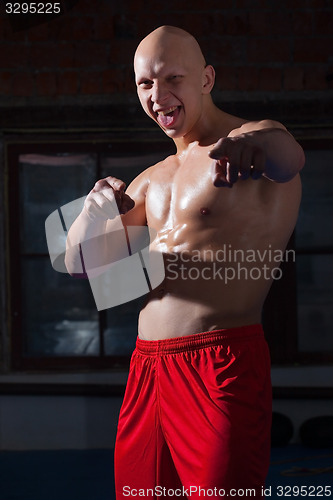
{"points": [[197, 340]]}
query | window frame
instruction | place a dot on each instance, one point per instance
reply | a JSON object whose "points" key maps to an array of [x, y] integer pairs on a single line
{"points": [[90, 144], [283, 324]]}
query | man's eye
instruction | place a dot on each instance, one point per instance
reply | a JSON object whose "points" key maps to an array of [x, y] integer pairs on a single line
{"points": [[175, 77]]}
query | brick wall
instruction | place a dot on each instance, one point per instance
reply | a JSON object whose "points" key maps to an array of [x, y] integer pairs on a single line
{"points": [[255, 45]]}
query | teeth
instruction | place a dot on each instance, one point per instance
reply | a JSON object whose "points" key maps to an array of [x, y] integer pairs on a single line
{"points": [[167, 111]]}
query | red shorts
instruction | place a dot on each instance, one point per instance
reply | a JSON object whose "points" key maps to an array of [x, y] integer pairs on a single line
{"points": [[196, 416]]}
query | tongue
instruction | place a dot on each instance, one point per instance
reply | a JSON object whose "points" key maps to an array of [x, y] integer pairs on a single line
{"points": [[166, 120]]}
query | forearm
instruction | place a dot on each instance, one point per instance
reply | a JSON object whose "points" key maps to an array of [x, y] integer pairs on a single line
{"points": [[83, 230], [284, 156]]}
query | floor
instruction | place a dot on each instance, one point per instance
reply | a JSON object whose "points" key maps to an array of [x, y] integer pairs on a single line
{"points": [[88, 474], [294, 466]]}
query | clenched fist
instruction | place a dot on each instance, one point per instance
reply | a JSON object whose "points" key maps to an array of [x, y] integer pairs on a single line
{"points": [[107, 199]]}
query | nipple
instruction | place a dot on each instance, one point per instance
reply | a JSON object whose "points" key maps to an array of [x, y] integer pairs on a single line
{"points": [[204, 211]]}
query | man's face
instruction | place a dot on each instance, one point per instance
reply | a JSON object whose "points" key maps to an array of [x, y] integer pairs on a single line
{"points": [[169, 86]]}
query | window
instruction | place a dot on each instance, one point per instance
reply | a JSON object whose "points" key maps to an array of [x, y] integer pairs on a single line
{"points": [[314, 245], [299, 309], [54, 319]]}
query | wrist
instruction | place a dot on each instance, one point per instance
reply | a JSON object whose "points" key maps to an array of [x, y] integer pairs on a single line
{"points": [[92, 225]]}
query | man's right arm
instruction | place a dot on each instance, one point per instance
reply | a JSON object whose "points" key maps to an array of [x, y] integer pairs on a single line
{"points": [[97, 237]]}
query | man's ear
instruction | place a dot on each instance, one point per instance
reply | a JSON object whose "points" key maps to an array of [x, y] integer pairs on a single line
{"points": [[208, 79]]}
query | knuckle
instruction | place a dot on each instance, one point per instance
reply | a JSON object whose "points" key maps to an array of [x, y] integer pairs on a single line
{"points": [[115, 182], [110, 179], [99, 185]]}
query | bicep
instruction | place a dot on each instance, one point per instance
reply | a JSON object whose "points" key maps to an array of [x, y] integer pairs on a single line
{"points": [[252, 126]]}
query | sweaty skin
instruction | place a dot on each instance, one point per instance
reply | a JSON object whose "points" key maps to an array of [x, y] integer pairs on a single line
{"points": [[253, 215], [232, 185]]}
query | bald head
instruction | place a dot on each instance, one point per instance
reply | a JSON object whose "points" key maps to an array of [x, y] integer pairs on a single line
{"points": [[173, 81], [170, 39]]}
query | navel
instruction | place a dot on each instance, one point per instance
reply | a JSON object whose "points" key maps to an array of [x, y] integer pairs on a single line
{"points": [[204, 211]]}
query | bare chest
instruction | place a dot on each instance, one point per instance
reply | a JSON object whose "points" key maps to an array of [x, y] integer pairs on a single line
{"points": [[184, 195]]}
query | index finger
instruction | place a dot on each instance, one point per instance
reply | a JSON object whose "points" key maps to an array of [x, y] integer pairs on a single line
{"points": [[109, 183], [219, 150]]}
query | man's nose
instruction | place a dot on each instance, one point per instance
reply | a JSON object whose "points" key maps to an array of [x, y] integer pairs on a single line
{"points": [[159, 93]]}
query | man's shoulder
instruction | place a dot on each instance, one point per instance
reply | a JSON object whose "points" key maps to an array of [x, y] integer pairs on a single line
{"points": [[164, 164], [246, 126], [143, 179]]}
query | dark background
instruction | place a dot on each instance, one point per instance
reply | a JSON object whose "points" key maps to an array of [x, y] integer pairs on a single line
{"points": [[272, 58], [68, 79]]}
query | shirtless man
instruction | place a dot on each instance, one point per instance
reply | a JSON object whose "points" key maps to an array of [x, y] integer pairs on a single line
{"points": [[196, 413]]}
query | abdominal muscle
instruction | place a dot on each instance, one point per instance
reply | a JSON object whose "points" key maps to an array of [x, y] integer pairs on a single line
{"points": [[206, 287]]}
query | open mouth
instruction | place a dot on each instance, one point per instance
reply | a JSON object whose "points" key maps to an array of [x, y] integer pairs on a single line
{"points": [[167, 117]]}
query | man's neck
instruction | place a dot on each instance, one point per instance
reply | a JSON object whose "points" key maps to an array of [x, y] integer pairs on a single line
{"points": [[214, 124]]}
